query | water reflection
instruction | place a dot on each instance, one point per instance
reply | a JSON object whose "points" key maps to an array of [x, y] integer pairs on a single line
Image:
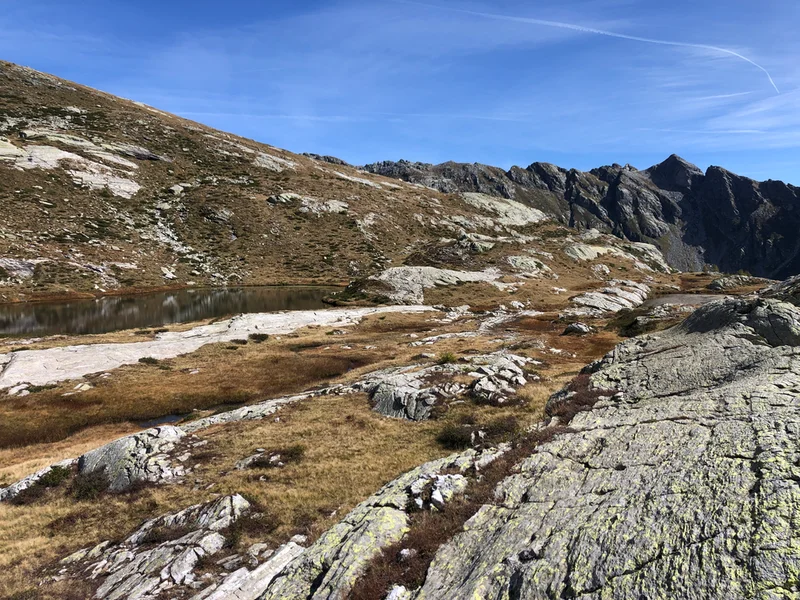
{"points": [[152, 310]]}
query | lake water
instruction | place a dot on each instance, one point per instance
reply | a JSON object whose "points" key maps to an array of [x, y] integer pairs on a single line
{"points": [[114, 313], [683, 299]]}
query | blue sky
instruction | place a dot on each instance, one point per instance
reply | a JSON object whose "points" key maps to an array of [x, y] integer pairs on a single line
{"points": [[502, 82]]}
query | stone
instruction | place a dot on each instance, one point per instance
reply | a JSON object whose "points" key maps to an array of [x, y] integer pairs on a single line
{"points": [[731, 282], [405, 392], [135, 568], [407, 285], [577, 329], [321, 207], [23, 269], [136, 458], [619, 295], [506, 211], [273, 163], [9, 152], [248, 585], [399, 592]]}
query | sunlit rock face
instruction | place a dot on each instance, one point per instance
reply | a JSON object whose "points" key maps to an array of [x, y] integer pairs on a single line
{"points": [[686, 481]]}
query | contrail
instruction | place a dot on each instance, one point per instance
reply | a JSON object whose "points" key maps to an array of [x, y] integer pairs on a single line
{"points": [[583, 29]]}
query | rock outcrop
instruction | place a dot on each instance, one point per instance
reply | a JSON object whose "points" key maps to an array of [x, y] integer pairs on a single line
{"points": [[732, 282], [407, 285], [684, 484], [681, 481], [141, 457], [412, 392], [695, 218], [160, 556], [617, 296], [330, 567]]}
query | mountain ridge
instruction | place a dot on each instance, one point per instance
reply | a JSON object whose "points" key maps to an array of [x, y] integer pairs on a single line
{"points": [[696, 218]]}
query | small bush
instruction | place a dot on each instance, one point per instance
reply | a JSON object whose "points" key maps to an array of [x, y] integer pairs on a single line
{"points": [[239, 342], [580, 397], [502, 429], [41, 388], [29, 495], [447, 358], [54, 477], [454, 437], [89, 486], [258, 337], [148, 360]]}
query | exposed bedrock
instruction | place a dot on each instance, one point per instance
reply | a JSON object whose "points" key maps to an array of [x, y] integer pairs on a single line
{"points": [[685, 485]]}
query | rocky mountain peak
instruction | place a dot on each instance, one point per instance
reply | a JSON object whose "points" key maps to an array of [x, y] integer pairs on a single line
{"points": [[675, 173]]}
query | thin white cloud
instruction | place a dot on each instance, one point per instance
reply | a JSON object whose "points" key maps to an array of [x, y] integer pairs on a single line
{"points": [[723, 96], [708, 131], [583, 29]]}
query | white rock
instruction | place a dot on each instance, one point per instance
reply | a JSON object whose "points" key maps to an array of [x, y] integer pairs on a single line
{"points": [[508, 212], [40, 367]]}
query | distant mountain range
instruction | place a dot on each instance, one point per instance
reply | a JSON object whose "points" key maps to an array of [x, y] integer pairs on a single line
{"points": [[695, 218]]}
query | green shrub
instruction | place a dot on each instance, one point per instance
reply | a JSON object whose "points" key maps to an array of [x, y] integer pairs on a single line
{"points": [[148, 360], [447, 358], [54, 477], [454, 437], [258, 337], [89, 486]]}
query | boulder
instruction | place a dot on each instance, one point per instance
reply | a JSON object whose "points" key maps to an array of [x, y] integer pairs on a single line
{"points": [[735, 281], [161, 554], [412, 392], [577, 329], [140, 457]]}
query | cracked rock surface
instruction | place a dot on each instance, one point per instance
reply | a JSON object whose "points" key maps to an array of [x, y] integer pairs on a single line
{"points": [[685, 485], [411, 393], [143, 456], [330, 567], [142, 568]]}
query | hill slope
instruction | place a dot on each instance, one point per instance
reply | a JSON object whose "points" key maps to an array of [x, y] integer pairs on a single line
{"points": [[102, 193]]}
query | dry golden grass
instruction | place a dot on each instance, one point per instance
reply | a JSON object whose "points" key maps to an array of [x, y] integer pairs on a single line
{"points": [[350, 452], [228, 375]]}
